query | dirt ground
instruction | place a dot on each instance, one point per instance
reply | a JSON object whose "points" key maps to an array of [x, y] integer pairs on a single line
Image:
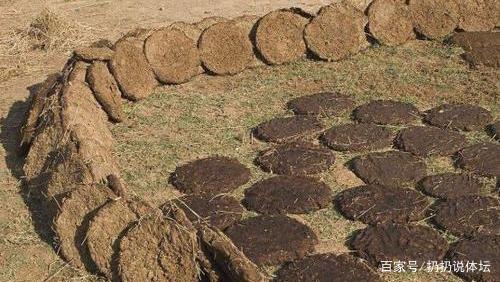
{"points": [[203, 117]]}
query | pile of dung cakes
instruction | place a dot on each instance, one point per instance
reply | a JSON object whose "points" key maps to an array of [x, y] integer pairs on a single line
{"points": [[142, 59], [392, 141]]}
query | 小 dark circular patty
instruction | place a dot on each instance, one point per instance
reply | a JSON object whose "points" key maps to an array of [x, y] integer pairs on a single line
{"points": [[427, 141], [324, 104], [287, 129], [450, 185], [458, 117], [287, 194], [386, 112], [357, 137]]}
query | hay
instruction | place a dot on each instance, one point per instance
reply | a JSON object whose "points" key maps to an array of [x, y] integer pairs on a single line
{"points": [[337, 32], [390, 22]]}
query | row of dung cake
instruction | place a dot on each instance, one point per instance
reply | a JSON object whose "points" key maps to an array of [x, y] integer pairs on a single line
{"points": [[142, 59]]}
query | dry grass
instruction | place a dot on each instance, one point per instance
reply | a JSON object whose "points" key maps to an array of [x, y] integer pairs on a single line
{"points": [[47, 33], [213, 115]]}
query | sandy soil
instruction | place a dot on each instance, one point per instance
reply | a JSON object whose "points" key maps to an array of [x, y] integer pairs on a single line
{"points": [[24, 254]]}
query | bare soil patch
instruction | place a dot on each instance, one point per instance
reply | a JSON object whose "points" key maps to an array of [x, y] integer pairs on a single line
{"points": [[287, 194], [272, 240]]}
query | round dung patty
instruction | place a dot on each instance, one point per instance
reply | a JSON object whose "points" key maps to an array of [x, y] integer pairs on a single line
{"points": [[173, 55], [475, 15], [486, 56], [296, 159], [287, 129], [107, 228], [469, 215], [373, 204], [219, 211], [494, 130], [323, 104], [472, 40], [324, 267], [156, 249], [458, 117], [249, 22], [225, 48], [482, 249], [427, 141], [391, 168], [336, 32], [209, 21], [131, 69], [105, 89], [398, 242], [450, 185], [482, 158], [279, 36], [390, 22], [357, 137], [272, 240], [212, 175], [287, 194], [434, 19], [189, 29], [72, 222], [386, 112]]}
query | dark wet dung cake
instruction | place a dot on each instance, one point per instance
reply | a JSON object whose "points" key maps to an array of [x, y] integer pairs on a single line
{"points": [[287, 128], [427, 141], [157, 249], [467, 216], [107, 228], [326, 268], [296, 159], [219, 211], [450, 185], [458, 117], [396, 242], [479, 249], [374, 204], [386, 112], [482, 158], [322, 104], [357, 137], [287, 194], [272, 240], [213, 175], [486, 56], [391, 168]]}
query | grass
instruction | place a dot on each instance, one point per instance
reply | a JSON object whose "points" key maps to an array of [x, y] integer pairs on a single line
{"points": [[214, 115]]}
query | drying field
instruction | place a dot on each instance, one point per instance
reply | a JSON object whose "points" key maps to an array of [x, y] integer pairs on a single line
{"points": [[215, 116]]}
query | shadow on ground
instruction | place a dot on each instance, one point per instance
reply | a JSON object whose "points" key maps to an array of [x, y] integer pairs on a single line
{"points": [[10, 129]]}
